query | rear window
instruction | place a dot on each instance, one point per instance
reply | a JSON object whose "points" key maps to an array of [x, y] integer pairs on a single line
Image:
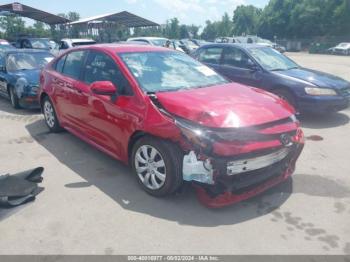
{"points": [[73, 64]]}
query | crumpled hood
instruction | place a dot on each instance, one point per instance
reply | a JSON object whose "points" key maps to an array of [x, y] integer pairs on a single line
{"points": [[32, 76], [226, 106], [317, 78]]}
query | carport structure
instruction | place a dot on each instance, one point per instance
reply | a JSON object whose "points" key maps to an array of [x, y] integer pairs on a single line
{"points": [[93, 26], [33, 13]]}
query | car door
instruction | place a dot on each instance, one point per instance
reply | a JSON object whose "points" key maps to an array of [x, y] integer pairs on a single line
{"points": [[211, 56], [108, 119], [237, 66], [68, 90]]}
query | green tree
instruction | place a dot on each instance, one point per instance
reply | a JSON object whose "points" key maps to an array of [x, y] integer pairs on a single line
{"points": [[209, 31], [246, 20], [225, 26], [193, 31], [172, 29], [12, 26], [183, 32]]}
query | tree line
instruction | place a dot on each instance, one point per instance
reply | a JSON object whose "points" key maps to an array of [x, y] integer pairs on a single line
{"points": [[279, 18]]}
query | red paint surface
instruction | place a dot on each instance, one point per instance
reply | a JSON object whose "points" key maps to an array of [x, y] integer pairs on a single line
{"points": [[226, 106], [109, 125]]}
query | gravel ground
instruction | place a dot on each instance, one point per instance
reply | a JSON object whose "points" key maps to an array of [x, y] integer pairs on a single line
{"points": [[93, 205]]}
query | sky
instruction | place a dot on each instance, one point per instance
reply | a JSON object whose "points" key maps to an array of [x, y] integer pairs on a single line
{"points": [[188, 11]]}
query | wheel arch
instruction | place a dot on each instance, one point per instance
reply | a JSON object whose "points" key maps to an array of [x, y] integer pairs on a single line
{"points": [[287, 89], [42, 96], [138, 134]]}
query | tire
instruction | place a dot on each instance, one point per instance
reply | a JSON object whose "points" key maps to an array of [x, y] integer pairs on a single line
{"points": [[50, 116], [14, 98], [159, 172], [287, 96]]}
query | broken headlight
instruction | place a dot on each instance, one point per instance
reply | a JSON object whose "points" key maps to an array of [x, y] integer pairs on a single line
{"points": [[194, 133]]}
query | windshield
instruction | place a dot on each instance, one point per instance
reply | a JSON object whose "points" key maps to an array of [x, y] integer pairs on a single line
{"points": [[158, 42], [344, 44], [272, 60], [169, 71], [27, 61]]}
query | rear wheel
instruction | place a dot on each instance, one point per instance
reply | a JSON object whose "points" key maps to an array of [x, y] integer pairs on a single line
{"points": [[157, 165], [50, 116], [14, 98]]}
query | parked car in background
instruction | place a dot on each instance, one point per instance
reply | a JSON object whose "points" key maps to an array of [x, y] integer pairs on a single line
{"points": [[5, 45], [341, 49], [34, 43], [199, 42], [176, 45], [279, 48], [68, 43], [309, 91], [226, 40], [19, 75], [172, 119], [131, 43], [189, 45], [155, 41]]}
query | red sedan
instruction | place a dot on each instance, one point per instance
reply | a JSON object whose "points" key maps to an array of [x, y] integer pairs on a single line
{"points": [[173, 120]]}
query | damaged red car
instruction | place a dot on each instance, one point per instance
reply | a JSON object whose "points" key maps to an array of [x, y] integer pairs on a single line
{"points": [[173, 120]]}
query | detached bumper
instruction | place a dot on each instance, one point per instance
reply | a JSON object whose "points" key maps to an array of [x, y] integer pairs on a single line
{"points": [[231, 189]]}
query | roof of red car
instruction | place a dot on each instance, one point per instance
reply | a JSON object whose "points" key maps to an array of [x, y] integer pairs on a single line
{"points": [[124, 48]]}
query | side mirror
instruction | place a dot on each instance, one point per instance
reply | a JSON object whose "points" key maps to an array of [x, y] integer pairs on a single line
{"points": [[103, 88], [252, 66]]}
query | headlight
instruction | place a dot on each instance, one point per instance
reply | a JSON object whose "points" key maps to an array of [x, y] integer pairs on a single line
{"points": [[20, 86], [315, 91], [205, 137]]}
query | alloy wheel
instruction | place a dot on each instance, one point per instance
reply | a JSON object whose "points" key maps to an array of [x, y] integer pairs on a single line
{"points": [[49, 114], [150, 167]]}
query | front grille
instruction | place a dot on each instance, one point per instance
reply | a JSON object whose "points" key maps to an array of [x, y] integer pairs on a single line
{"points": [[243, 182]]}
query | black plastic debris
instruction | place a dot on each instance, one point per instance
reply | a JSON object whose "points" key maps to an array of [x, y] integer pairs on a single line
{"points": [[20, 188]]}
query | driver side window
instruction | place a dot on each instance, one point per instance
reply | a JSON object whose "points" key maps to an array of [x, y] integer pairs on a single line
{"points": [[236, 57], [100, 67]]}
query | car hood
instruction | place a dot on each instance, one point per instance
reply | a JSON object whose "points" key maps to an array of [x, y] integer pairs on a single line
{"points": [[32, 75], [226, 106], [314, 77]]}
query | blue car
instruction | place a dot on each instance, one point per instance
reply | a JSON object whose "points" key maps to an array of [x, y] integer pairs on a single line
{"points": [[309, 91], [19, 75]]}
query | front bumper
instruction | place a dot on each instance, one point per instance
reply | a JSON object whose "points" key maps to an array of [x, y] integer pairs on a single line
{"points": [[230, 189], [327, 104]]}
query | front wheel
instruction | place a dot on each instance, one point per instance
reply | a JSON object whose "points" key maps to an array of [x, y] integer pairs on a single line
{"points": [[157, 165], [50, 116]]}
